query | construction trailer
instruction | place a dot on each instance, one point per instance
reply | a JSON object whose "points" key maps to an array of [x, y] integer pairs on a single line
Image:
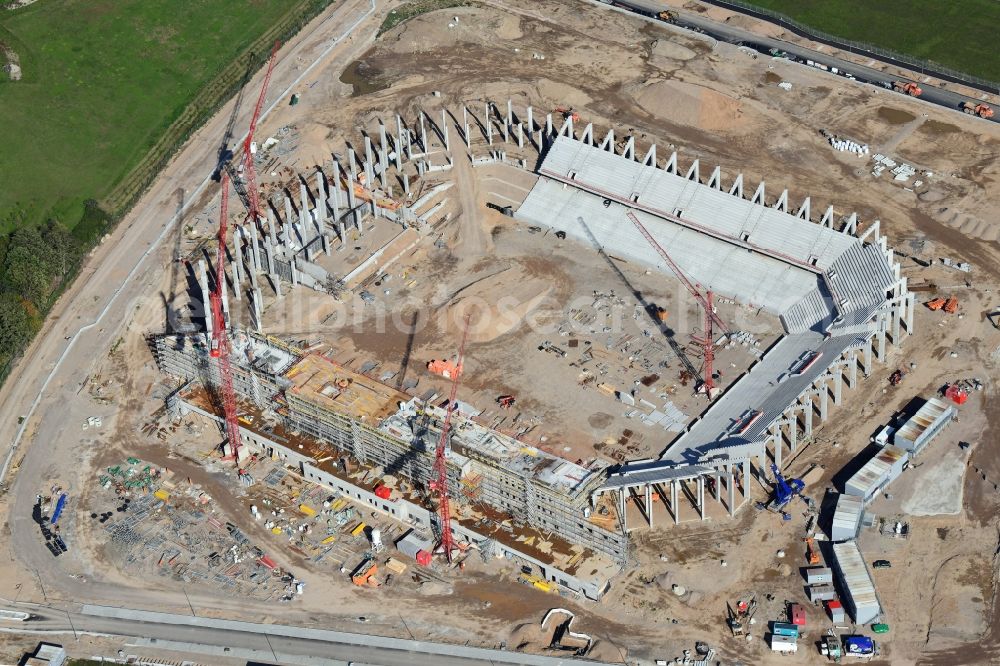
{"points": [[818, 575], [783, 644], [881, 470], [847, 517], [918, 431], [818, 593], [855, 582]]}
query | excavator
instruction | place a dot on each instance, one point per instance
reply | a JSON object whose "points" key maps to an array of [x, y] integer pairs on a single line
{"points": [[981, 110], [907, 88], [364, 575], [812, 554], [567, 112]]}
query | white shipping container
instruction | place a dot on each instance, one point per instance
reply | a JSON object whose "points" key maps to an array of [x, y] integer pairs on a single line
{"points": [[785, 644]]}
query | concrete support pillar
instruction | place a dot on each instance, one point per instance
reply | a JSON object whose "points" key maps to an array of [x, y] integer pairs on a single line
{"points": [[258, 310], [880, 340], [237, 261], [807, 417], [701, 496], [673, 503], [746, 479], [465, 124], [383, 156], [531, 121], [399, 143], [621, 508], [824, 401], [406, 184], [910, 304], [286, 224], [793, 430], [489, 126], [206, 303], [510, 113], [838, 385], [852, 370], [352, 166], [444, 130], [520, 135], [351, 202], [897, 321], [369, 161], [272, 226], [548, 124], [320, 200], [731, 487], [649, 505], [776, 442], [295, 272], [423, 134], [304, 222], [342, 232], [254, 253]]}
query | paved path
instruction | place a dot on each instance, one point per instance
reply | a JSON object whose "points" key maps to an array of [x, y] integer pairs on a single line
{"points": [[286, 644]]}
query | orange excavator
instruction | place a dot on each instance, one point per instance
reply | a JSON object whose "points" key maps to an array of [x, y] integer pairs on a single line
{"points": [[364, 575], [812, 555], [567, 112], [907, 88], [981, 110]]}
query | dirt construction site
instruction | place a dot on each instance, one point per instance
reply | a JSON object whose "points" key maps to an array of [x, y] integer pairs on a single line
{"points": [[570, 350]]}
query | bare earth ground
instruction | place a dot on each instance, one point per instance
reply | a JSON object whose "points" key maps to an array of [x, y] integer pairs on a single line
{"points": [[709, 101]]}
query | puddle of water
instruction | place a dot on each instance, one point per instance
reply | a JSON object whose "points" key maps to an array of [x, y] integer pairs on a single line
{"points": [[937, 127], [363, 78], [895, 116]]}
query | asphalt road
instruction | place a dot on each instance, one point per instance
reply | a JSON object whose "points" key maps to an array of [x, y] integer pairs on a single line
{"points": [[733, 35], [284, 644]]}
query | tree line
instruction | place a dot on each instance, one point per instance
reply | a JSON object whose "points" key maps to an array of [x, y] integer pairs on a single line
{"points": [[36, 264]]}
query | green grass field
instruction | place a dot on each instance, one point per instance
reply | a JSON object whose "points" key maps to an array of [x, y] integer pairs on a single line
{"points": [[104, 82], [958, 34]]}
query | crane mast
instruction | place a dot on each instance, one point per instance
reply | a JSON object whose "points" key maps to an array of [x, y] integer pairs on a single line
{"points": [[707, 343], [440, 482], [220, 336], [249, 170]]}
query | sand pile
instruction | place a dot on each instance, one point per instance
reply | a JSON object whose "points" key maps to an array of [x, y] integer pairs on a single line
{"points": [[690, 104], [495, 305]]}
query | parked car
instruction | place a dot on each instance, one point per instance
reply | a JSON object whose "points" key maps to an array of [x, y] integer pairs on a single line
{"points": [[881, 564]]}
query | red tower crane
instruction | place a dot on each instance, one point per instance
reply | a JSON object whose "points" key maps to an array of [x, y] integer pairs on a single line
{"points": [[707, 343], [220, 337], [249, 147], [440, 482]]}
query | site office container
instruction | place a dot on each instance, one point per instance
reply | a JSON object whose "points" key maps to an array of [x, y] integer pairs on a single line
{"points": [[797, 614], [785, 644], [784, 629]]}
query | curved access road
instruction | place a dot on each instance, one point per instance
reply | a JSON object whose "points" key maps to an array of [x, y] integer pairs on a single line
{"points": [[42, 403]]}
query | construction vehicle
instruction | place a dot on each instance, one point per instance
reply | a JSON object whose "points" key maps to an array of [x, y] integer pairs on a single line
{"points": [[536, 582], [981, 110], [907, 88], [364, 575], [739, 618], [812, 553], [506, 401], [784, 491], [667, 16], [567, 112], [896, 378]]}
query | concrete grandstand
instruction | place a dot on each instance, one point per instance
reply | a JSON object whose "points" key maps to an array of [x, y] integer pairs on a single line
{"points": [[838, 292]]}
